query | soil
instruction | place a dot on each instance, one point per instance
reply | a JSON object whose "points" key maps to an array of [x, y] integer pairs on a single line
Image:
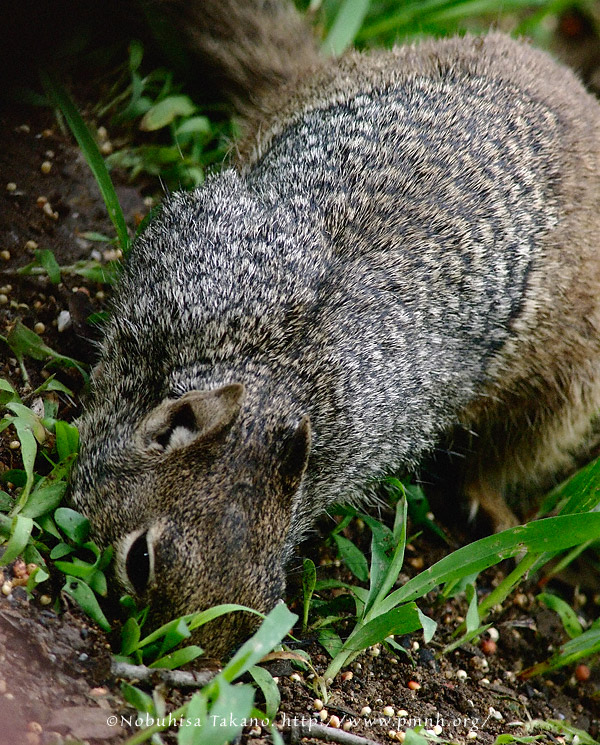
{"points": [[56, 683]]}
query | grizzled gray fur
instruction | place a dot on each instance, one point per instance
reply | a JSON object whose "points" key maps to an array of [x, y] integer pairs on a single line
{"points": [[406, 247]]}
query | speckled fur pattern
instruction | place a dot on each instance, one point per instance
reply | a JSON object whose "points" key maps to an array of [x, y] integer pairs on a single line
{"points": [[405, 249]]}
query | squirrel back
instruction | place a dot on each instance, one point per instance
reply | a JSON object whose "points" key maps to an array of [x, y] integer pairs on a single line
{"points": [[405, 251]]}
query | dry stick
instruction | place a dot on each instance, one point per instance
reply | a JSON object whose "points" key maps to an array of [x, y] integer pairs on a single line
{"points": [[176, 678], [327, 734]]}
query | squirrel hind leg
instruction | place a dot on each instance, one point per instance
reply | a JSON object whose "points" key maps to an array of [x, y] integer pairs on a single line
{"points": [[487, 505]]}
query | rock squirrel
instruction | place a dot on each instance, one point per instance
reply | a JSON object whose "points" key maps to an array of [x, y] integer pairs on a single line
{"points": [[405, 246]]}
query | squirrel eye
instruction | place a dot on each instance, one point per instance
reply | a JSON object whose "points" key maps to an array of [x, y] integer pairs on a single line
{"points": [[137, 564]]}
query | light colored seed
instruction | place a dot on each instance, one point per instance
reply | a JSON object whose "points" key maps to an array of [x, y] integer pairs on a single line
{"points": [[388, 711], [484, 682], [348, 675], [106, 148], [49, 154], [334, 722], [413, 685], [45, 599], [102, 133], [3, 299], [100, 295], [47, 133], [392, 734], [493, 633], [5, 255], [39, 328], [318, 704], [3, 687], [437, 730], [11, 186], [46, 166], [49, 212], [63, 321], [6, 288], [35, 727], [9, 696], [14, 444], [295, 678], [415, 646], [255, 731], [7, 587], [41, 200], [401, 736], [471, 735], [347, 726], [401, 713], [23, 128], [365, 711], [461, 674], [323, 715]]}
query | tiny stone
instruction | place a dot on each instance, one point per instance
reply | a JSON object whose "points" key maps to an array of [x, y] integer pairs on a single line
{"points": [[374, 651], [318, 704], [365, 711], [11, 186], [46, 166], [47, 133], [6, 288], [24, 128], [488, 646], [582, 673], [334, 722], [14, 444], [39, 328], [413, 685], [388, 711], [5, 255]]}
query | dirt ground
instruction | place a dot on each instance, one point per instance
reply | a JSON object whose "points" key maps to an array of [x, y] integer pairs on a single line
{"points": [[56, 683]]}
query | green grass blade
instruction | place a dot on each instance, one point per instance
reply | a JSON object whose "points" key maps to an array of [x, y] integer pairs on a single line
{"points": [[550, 534], [345, 27], [62, 101]]}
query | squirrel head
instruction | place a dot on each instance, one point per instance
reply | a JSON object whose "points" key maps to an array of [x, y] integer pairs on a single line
{"points": [[198, 507]]}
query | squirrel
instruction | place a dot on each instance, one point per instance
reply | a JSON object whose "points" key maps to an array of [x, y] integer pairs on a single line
{"points": [[404, 247]]}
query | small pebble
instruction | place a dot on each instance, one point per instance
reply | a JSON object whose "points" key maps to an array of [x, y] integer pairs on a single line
{"points": [[9, 696], [47, 133], [100, 295], [318, 704], [365, 711], [31, 245], [39, 328], [46, 166], [49, 212], [413, 685], [14, 444], [5, 255], [388, 711], [582, 673], [334, 722]]}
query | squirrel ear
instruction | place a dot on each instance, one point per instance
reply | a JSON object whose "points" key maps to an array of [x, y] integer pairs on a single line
{"points": [[294, 457], [176, 423]]}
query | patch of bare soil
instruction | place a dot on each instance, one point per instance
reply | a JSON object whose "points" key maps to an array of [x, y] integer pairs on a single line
{"points": [[55, 677]]}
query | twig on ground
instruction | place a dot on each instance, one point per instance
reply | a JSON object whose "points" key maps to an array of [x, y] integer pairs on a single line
{"points": [[176, 678], [298, 730]]}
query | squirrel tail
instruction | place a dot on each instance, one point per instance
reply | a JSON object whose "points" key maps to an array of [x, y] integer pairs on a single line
{"points": [[248, 49]]}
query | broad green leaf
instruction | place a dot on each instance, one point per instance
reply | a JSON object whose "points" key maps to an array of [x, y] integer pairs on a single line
{"points": [[429, 626], [233, 705], [44, 499], [197, 713], [178, 658], [331, 641], [272, 630], [84, 596], [46, 258], [400, 620], [567, 614], [140, 700], [165, 111], [130, 636], [73, 524], [20, 532], [353, 557], [270, 689], [67, 439], [174, 636]]}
